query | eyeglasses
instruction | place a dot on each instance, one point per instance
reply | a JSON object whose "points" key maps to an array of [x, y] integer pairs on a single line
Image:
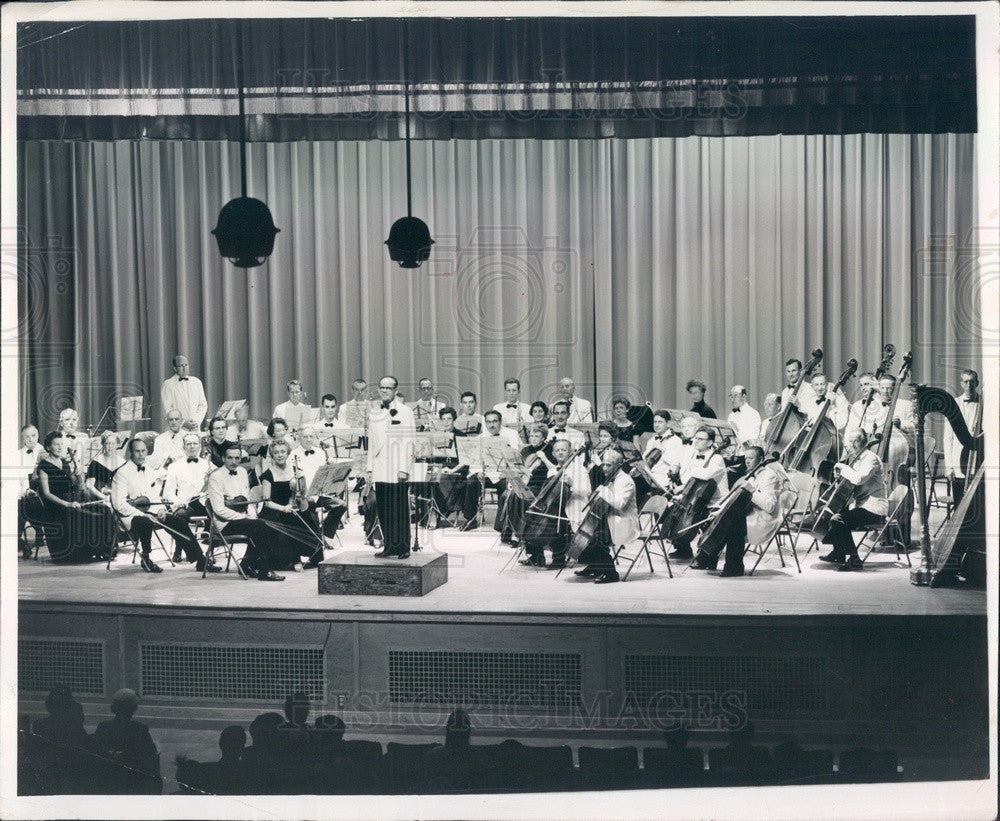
{"points": [[702, 438]]}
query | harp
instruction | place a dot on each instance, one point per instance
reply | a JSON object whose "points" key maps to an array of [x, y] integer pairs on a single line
{"points": [[965, 532]]}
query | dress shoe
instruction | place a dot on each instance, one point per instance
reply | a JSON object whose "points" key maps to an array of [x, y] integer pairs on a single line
{"points": [[177, 556], [729, 572], [533, 562], [833, 558], [211, 567], [681, 554], [472, 524], [405, 555], [703, 563], [587, 571], [270, 576], [313, 563], [853, 563], [149, 565], [607, 578], [385, 553], [248, 571]]}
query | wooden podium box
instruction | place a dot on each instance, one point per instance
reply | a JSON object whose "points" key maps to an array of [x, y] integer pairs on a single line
{"points": [[359, 573]]}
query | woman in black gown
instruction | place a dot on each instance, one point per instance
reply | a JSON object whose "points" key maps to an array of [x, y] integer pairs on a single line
{"points": [[300, 527], [73, 532], [626, 429], [103, 466]]}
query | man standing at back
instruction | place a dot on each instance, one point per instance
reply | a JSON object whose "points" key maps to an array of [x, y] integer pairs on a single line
{"points": [[184, 393]]}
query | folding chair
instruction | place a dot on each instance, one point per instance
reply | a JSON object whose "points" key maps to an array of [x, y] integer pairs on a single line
{"points": [[935, 476], [890, 527], [124, 537], [655, 510], [787, 500], [808, 489], [218, 541]]}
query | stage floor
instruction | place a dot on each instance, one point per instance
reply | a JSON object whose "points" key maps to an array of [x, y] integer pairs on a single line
{"points": [[479, 586]]}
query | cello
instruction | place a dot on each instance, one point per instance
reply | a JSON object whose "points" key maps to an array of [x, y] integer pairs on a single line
{"points": [[783, 429], [595, 512], [691, 501], [821, 438], [737, 503]]}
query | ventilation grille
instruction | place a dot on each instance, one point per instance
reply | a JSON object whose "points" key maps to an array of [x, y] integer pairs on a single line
{"points": [[473, 678], [771, 685], [75, 663], [227, 672]]}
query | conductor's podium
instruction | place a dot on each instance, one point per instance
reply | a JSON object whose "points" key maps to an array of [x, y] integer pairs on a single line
{"points": [[359, 573]]}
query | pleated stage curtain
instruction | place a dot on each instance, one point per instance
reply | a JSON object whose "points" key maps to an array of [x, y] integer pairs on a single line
{"points": [[631, 265]]}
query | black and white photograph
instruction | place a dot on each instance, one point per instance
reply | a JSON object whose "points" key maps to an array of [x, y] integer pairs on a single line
{"points": [[500, 409]]}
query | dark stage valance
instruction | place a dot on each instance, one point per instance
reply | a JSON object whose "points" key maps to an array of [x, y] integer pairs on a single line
{"points": [[321, 79]]}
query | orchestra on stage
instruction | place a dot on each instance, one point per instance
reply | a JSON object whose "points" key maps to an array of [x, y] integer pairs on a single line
{"points": [[568, 487]]}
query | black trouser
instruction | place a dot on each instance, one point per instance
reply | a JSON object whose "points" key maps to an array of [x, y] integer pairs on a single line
{"points": [[957, 489], [192, 508], [335, 509], [535, 548], [734, 542], [257, 555], [393, 505], [501, 523], [840, 536], [598, 556], [142, 528]]}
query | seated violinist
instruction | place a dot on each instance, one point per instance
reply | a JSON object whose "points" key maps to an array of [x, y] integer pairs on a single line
{"points": [[168, 446], [244, 428], [560, 417], [534, 472], [136, 498], [753, 524], [862, 468], [468, 422], [663, 454], [493, 462], [184, 487], [701, 464], [619, 524], [459, 491], [228, 488], [285, 506], [605, 438]]}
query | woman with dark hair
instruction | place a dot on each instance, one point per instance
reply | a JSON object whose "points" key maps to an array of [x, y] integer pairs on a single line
{"points": [[626, 428], [539, 413], [73, 533]]}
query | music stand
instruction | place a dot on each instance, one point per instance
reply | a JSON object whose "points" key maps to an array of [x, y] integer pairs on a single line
{"points": [[128, 412], [517, 486], [346, 438], [227, 410]]}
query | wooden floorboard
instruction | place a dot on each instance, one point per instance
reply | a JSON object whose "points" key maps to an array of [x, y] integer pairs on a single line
{"points": [[478, 586]]}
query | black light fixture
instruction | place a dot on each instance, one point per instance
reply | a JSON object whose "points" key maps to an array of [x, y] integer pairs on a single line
{"points": [[245, 230], [409, 240]]}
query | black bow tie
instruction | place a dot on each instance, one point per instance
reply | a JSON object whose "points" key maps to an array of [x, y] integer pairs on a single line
{"points": [[328, 424], [510, 405], [193, 459], [885, 404], [658, 438], [309, 452], [685, 441], [820, 401], [385, 405], [700, 456], [140, 467], [232, 473], [29, 451], [964, 400], [736, 410], [182, 379]]}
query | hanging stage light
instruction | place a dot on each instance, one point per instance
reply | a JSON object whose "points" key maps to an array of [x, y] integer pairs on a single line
{"points": [[245, 230], [409, 240]]}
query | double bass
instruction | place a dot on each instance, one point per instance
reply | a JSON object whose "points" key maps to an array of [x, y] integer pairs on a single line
{"points": [[888, 354], [821, 438], [892, 448], [783, 429]]}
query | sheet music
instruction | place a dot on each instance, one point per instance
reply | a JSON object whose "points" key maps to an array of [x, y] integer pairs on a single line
{"points": [[129, 408]]}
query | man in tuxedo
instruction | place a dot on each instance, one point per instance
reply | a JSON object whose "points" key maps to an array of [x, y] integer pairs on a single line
{"points": [[168, 446], [743, 419], [969, 403], [427, 407], [513, 412], [580, 410], [185, 393], [390, 463]]}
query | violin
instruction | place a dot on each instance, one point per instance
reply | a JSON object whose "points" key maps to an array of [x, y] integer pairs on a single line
{"points": [[238, 503], [143, 503], [784, 428], [299, 500], [691, 501]]}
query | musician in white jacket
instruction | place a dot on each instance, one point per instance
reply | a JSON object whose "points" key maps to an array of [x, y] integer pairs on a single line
{"points": [[391, 429], [619, 525], [755, 526]]}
